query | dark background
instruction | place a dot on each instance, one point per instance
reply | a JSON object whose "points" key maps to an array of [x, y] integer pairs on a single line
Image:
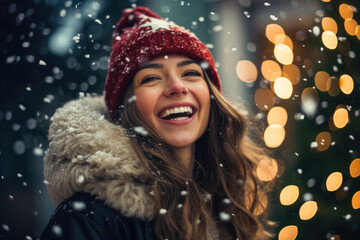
{"points": [[41, 31]]}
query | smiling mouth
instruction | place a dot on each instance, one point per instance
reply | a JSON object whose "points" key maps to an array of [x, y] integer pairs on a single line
{"points": [[177, 113]]}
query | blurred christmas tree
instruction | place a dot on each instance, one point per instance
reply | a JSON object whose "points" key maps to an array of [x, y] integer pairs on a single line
{"points": [[309, 92]]}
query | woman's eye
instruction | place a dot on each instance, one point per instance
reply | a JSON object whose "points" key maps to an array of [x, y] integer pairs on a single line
{"points": [[192, 73], [149, 79]]}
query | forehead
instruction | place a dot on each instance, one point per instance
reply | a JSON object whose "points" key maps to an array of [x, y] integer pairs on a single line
{"points": [[166, 59]]}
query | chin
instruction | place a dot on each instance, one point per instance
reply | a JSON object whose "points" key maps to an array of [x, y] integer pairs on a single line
{"points": [[180, 143]]}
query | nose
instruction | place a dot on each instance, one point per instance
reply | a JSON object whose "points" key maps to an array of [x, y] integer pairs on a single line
{"points": [[176, 87]]}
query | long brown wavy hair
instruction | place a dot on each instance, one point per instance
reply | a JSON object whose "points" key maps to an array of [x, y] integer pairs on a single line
{"points": [[224, 191]]}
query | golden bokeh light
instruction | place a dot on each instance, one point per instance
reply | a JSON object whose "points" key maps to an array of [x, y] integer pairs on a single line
{"points": [[277, 115], [288, 233], [274, 135], [329, 24], [340, 117], [291, 72], [346, 11], [346, 84], [326, 0], [264, 98], [333, 86], [267, 169], [283, 88], [329, 39], [272, 30], [355, 201], [289, 195], [334, 181], [323, 140], [308, 210], [321, 79], [357, 31], [283, 39], [279, 38], [350, 26], [283, 54], [270, 70], [246, 71], [288, 42], [355, 168]]}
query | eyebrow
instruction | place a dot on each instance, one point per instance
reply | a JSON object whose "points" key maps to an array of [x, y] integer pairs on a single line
{"points": [[187, 62], [152, 65], [158, 65]]}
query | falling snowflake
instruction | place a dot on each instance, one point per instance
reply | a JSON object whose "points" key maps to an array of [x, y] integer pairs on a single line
{"points": [[76, 38], [210, 45], [273, 17], [132, 99], [224, 216], [78, 205], [141, 130], [204, 65], [218, 28], [5, 227], [80, 179], [226, 201], [183, 193], [57, 230], [162, 211]]}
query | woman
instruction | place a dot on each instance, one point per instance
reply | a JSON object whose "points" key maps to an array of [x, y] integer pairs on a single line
{"points": [[167, 156]]}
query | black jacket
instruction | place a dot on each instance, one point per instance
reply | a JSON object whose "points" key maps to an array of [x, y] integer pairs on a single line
{"points": [[84, 217]]}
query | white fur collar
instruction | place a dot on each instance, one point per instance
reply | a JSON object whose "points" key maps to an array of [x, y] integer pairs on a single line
{"points": [[89, 153]]}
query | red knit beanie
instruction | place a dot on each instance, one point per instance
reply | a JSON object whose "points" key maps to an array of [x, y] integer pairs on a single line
{"points": [[142, 35]]}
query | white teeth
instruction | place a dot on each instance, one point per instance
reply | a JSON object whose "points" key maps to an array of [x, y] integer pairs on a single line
{"points": [[180, 118], [177, 110]]}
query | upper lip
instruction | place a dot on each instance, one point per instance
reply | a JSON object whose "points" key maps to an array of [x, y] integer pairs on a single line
{"points": [[180, 104]]}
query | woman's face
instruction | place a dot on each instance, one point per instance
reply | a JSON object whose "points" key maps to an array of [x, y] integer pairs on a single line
{"points": [[173, 98]]}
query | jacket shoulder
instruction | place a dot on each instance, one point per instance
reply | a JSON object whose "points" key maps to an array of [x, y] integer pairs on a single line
{"points": [[84, 217]]}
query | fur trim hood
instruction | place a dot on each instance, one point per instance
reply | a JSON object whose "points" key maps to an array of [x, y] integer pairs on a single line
{"points": [[89, 153]]}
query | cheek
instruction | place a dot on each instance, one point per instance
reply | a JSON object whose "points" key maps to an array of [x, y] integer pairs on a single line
{"points": [[145, 104], [207, 104], [204, 96]]}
